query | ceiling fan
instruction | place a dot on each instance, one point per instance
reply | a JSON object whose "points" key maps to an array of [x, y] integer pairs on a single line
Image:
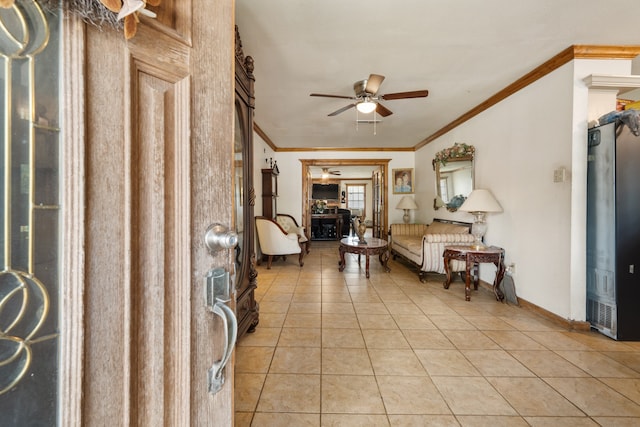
{"points": [[366, 97], [326, 171]]}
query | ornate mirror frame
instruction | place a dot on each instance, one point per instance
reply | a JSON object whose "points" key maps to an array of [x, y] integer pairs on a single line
{"points": [[462, 154]]}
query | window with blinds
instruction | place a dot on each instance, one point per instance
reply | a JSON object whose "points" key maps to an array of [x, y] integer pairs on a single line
{"points": [[356, 196]]}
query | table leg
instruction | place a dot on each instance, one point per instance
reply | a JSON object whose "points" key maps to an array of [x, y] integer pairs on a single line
{"points": [[496, 283], [476, 275], [384, 258], [467, 280], [367, 264], [341, 262], [447, 269]]}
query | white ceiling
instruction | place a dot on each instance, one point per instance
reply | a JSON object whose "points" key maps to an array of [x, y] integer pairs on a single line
{"points": [[462, 51]]}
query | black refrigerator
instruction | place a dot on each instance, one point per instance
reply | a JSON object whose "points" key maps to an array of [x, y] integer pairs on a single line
{"points": [[613, 231]]}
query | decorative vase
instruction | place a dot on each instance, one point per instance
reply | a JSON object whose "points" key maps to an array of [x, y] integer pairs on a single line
{"points": [[361, 228]]}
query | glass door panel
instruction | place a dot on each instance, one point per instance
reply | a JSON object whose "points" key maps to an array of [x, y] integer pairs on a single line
{"points": [[30, 230]]}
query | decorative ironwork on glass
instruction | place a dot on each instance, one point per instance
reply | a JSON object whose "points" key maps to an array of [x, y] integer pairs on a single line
{"points": [[27, 200]]}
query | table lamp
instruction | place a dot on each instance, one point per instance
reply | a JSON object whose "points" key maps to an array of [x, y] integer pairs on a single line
{"points": [[406, 203], [479, 202]]}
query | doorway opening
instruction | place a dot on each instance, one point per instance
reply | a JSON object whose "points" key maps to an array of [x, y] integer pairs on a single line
{"points": [[378, 211]]}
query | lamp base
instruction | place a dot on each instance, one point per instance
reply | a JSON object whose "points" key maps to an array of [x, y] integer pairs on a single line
{"points": [[478, 245], [478, 229], [406, 217]]}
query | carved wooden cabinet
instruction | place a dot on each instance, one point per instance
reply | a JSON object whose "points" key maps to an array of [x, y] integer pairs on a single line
{"points": [[270, 192], [244, 195]]}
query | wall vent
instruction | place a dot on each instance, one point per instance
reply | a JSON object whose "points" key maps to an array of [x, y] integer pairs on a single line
{"points": [[602, 317]]}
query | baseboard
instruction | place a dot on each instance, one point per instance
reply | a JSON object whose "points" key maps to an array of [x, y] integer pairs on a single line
{"points": [[574, 325]]}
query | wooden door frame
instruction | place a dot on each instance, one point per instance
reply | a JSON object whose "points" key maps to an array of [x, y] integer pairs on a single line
{"points": [[72, 277], [383, 164]]}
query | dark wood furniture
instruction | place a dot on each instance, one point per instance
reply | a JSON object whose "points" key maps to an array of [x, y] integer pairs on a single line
{"points": [[373, 246], [326, 226], [270, 192], [473, 257], [245, 198], [377, 208]]}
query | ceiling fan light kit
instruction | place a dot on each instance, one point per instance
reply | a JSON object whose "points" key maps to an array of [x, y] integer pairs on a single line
{"points": [[366, 107], [367, 100]]}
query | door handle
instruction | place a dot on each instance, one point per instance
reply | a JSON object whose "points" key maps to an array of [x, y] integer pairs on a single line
{"points": [[216, 372], [217, 292], [218, 237]]}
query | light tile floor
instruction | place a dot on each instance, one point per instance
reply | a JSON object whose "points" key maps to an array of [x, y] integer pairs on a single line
{"points": [[337, 349]]}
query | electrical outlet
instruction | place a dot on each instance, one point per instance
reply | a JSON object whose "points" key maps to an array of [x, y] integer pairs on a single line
{"points": [[511, 268]]}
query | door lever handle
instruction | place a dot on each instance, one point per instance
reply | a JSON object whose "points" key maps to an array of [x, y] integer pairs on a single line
{"points": [[217, 292], [216, 372]]}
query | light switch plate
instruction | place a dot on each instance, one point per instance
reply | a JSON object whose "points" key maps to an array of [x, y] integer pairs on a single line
{"points": [[560, 175]]}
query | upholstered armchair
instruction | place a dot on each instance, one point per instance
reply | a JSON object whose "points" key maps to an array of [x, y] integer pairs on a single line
{"points": [[274, 241], [290, 225]]}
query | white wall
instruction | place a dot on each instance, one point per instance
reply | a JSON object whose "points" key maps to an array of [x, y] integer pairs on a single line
{"points": [[519, 143]]}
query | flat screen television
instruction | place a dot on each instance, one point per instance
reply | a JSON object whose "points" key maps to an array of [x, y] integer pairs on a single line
{"points": [[325, 191]]}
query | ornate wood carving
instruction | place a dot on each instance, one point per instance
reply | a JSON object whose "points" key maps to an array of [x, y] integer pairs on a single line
{"points": [[246, 305]]}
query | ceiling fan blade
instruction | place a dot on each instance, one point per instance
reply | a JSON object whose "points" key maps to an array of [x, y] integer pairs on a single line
{"points": [[332, 96], [382, 110], [405, 95], [343, 109], [373, 83]]}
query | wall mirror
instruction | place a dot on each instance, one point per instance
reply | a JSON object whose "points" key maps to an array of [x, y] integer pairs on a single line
{"points": [[454, 169]]}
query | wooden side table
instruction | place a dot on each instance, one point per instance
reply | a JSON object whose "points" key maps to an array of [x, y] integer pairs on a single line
{"points": [[472, 257]]}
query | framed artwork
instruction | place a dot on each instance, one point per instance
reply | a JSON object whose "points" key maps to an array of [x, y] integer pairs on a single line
{"points": [[402, 181]]}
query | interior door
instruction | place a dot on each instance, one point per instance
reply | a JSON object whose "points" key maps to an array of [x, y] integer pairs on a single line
{"points": [[159, 161]]}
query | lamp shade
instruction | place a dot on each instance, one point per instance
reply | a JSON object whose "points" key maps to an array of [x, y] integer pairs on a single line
{"points": [[481, 200], [407, 203]]}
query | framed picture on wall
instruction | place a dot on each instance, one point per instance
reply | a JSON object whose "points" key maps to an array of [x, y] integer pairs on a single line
{"points": [[402, 181]]}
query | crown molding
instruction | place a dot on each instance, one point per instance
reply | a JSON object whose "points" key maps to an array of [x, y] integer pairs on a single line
{"points": [[607, 81], [562, 58], [264, 136]]}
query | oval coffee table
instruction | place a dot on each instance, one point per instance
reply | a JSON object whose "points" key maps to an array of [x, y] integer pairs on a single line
{"points": [[372, 246]]}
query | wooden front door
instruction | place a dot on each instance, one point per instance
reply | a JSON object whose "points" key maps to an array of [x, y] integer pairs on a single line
{"points": [[158, 162]]}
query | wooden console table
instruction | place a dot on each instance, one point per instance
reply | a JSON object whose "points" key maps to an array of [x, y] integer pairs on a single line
{"points": [[333, 219], [472, 257]]}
